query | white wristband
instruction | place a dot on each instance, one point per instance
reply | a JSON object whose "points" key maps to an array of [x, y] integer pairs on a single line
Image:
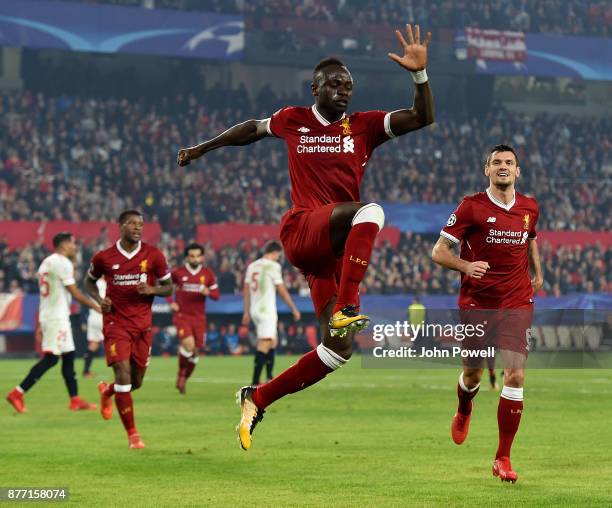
{"points": [[419, 77]]}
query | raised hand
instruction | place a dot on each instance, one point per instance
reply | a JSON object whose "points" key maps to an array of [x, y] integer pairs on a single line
{"points": [[415, 52]]}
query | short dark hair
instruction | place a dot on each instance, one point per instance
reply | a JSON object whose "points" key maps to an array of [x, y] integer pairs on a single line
{"points": [[501, 148], [123, 216], [272, 246], [60, 238], [193, 246], [326, 62]]}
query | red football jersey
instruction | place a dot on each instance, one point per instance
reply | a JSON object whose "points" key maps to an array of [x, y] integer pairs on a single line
{"points": [[491, 231], [192, 303], [327, 160], [123, 271]]}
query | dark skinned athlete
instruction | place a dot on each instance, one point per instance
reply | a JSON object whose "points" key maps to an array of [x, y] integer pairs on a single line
{"points": [[329, 232]]}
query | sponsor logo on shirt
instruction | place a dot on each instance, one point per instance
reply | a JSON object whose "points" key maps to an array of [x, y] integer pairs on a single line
{"points": [[507, 237], [115, 267], [304, 129], [491, 219], [326, 144], [129, 279]]}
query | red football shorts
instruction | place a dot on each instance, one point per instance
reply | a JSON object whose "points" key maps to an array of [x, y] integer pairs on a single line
{"points": [[306, 239], [504, 329], [186, 327], [122, 344]]}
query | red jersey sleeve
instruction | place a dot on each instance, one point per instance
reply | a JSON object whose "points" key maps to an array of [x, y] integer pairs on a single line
{"points": [[459, 222], [277, 122], [96, 267], [211, 283], [160, 267], [378, 127]]}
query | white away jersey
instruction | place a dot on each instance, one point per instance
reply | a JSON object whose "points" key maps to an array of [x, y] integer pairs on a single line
{"points": [[101, 283], [54, 274], [262, 276]]}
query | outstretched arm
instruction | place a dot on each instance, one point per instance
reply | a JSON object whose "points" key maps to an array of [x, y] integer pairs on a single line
{"points": [[415, 61], [243, 133]]}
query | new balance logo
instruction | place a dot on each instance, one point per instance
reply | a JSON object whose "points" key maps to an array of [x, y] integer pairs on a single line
{"points": [[115, 267], [304, 129], [348, 144], [491, 219]]}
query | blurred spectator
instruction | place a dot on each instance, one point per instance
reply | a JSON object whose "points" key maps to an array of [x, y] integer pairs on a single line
{"points": [[571, 17], [88, 159]]}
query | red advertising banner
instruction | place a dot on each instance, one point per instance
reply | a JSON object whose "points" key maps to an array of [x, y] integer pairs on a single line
{"points": [[21, 233], [230, 233], [501, 45], [11, 311]]}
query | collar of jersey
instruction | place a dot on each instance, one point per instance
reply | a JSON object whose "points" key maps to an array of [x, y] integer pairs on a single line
{"points": [[193, 272], [497, 202], [321, 118], [127, 254]]}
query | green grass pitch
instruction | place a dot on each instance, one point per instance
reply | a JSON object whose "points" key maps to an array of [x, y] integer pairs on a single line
{"points": [[361, 437]]}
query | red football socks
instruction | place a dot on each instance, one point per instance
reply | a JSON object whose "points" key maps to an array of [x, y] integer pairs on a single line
{"points": [[307, 371], [465, 400], [189, 367], [110, 390], [357, 252], [508, 419], [183, 364], [125, 406]]}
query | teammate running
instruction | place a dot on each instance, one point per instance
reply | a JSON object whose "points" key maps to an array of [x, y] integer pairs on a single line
{"points": [[194, 283], [328, 233], [130, 267], [57, 285], [497, 233], [262, 280]]}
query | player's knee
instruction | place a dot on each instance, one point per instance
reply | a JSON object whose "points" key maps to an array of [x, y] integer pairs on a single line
{"points": [[50, 360], [331, 358], [471, 377], [514, 378], [372, 212]]}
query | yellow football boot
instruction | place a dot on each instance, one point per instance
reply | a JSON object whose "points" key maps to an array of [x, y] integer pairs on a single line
{"points": [[250, 416], [347, 320]]}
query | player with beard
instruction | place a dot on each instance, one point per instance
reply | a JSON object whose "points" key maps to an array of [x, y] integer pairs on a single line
{"points": [[329, 232], [193, 283], [497, 233]]}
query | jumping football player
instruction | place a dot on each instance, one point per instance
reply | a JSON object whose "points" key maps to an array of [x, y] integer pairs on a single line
{"points": [[328, 233], [497, 233], [131, 269], [194, 283], [57, 285], [262, 280]]}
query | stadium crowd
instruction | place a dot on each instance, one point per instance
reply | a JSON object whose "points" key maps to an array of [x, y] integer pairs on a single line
{"points": [[570, 17], [87, 159], [406, 268]]}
